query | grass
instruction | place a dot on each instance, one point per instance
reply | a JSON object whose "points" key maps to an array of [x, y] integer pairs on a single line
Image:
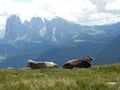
{"points": [[79, 41], [61, 79]]}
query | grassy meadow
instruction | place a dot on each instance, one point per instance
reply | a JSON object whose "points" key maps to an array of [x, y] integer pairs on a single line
{"points": [[94, 78]]}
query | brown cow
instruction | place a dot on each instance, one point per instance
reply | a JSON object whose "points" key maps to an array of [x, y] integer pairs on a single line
{"points": [[39, 65], [84, 63]]}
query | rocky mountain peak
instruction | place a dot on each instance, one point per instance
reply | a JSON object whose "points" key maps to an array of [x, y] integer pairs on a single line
{"points": [[13, 28]]}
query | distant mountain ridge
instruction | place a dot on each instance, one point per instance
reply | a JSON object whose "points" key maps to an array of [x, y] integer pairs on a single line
{"points": [[56, 30], [55, 40], [110, 52]]}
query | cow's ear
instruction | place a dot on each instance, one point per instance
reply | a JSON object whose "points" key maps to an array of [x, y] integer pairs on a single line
{"points": [[88, 57]]}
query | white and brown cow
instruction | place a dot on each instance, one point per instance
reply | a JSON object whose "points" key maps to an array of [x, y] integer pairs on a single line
{"points": [[84, 63], [39, 65]]}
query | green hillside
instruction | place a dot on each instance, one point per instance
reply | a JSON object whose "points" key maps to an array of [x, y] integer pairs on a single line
{"points": [[95, 78]]}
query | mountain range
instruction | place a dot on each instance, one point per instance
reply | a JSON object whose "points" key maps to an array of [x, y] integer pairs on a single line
{"points": [[57, 40]]}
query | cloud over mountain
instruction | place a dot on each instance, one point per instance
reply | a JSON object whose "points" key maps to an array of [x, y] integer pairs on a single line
{"points": [[87, 12]]}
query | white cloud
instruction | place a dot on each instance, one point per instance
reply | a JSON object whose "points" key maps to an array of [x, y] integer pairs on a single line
{"points": [[88, 12], [114, 5], [101, 4], [103, 18]]}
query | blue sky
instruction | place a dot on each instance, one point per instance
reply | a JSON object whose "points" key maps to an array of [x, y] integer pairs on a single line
{"points": [[85, 12]]}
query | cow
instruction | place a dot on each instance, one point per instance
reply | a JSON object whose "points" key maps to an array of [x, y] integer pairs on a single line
{"points": [[78, 63], [39, 65]]}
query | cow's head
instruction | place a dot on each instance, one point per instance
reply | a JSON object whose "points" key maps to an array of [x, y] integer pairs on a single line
{"points": [[89, 59], [31, 63]]}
